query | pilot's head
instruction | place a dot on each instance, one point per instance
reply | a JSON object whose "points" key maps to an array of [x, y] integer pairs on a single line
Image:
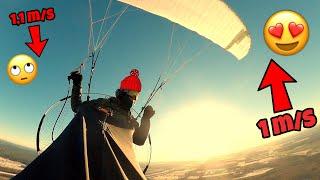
{"points": [[130, 88]]}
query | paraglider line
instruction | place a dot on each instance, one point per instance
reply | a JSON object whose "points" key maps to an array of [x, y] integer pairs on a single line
{"points": [[150, 155], [116, 14], [93, 65], [104, 20], [110, 147], [105, 37], [91, 37], [64, 104]]}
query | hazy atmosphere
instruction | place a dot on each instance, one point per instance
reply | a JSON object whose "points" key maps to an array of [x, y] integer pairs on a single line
{"points": [[206, 111]]}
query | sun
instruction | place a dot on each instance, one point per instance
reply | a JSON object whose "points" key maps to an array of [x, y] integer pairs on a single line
{"points": [[203, 129]]}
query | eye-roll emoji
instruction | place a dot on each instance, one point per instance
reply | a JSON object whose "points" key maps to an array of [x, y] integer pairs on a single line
{"points": [[22, 69]]}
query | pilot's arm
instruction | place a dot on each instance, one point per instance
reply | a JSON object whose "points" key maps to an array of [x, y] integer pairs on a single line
{"points": [[76, 90], [141, 133]]}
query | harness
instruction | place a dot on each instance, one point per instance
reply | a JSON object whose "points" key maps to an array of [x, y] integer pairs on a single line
{"points": [[119, 118]]}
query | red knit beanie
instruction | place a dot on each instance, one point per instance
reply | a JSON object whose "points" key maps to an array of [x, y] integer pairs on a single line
{"points": [[131, 82]]}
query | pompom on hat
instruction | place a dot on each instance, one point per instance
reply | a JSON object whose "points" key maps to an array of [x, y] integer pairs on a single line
{"points": [[131, 82]]}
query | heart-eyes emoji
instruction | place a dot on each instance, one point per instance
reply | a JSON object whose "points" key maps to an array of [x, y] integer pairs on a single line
{"points": [[286, 32]]}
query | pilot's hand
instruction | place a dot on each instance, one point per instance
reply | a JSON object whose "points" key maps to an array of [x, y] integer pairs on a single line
{"points": [[148, 112], [76, 77]]}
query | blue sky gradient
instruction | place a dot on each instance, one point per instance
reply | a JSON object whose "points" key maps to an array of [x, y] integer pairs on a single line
{"points": [[140, 40]]}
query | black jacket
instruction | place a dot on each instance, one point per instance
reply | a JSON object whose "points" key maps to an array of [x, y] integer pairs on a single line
{"points": [[120, 118]]}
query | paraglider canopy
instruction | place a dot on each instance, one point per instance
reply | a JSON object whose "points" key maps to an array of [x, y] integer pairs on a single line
{"points": [[212, 19]]}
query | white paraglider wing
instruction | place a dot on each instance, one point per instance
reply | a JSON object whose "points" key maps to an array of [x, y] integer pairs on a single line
{"points": [[212, 19]]}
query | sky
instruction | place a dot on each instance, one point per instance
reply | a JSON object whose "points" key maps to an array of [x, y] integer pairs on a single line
{"points": [[210, 108]]}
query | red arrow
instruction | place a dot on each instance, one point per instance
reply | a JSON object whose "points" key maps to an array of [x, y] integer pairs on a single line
{"points": [[36, 45], [276, 77]]}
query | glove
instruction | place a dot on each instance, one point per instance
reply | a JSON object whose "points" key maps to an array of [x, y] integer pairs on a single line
{"points": [[148, 112], [76, 77]]}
